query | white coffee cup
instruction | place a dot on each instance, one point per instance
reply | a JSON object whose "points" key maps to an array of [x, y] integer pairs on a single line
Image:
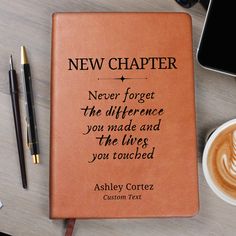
{"points": [[206, 172]]}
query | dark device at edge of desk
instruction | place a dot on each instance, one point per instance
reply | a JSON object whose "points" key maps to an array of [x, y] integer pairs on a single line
{"points": [[3, 234], [217, 46], [190, 3]]}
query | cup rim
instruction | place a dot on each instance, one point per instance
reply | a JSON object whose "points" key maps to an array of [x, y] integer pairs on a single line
{"points": [[206, 173]]}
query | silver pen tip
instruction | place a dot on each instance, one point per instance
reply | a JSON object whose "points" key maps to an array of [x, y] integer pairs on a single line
{"points": [[11, 63]]}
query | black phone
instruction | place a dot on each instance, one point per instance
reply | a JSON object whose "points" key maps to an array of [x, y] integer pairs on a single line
{"points": [[190, 3], [217, 46]]}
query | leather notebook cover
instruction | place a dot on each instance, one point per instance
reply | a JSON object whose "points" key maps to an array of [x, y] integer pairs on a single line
{"points": [[123, 140]]}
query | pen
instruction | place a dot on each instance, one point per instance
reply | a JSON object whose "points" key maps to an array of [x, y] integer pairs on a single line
{"points": [[32, 134], [17, 120]]}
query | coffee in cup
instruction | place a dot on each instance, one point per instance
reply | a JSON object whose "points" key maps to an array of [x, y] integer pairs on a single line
{"points": [[219, 161]]}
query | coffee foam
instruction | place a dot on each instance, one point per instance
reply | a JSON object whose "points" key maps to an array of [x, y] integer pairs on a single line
{"points": [[222, 161]]}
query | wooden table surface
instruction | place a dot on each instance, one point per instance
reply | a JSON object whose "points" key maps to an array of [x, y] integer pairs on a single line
{"points": [[25, 212]]}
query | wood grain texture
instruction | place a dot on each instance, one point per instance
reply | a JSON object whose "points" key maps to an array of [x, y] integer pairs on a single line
{"points": [[26, 212]]}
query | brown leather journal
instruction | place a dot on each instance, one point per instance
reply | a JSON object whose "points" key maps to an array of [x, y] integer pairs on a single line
{"points": [[123, 140]]}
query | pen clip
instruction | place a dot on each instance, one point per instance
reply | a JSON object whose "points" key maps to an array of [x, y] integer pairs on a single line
{"points": [[27, 133]]}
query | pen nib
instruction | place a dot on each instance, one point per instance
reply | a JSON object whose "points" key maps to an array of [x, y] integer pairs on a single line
{"points": [[24, 59], [11, 63]]}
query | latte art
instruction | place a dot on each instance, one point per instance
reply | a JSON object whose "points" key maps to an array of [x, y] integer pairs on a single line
{"points": [[222, 161], [229, 163]]}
